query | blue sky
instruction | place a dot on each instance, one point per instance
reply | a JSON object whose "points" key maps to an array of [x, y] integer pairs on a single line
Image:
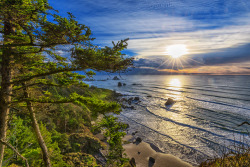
{"points": [[215, 32]]}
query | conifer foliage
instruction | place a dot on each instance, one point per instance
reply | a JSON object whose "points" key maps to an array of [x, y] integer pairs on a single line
{"points": [[33, 36]]}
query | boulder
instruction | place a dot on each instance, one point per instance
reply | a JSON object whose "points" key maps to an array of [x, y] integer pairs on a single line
{"points": [[137, 98], [138, 140], [130, 99], [169, 102], [116, 78], [119, 84], [132, 162], [134, 133], [151, 161], [124, 84]]}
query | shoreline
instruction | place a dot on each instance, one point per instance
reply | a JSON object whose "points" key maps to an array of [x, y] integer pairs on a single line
{"points": [[144, 154]]}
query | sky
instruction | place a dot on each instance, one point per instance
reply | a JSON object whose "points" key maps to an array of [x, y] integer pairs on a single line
{"points": [[215, 33]]}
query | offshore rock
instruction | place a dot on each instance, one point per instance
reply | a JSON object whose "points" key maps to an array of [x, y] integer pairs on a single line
{"points": [[119, 84], [137, 98], [169, 102], [116, 78]]}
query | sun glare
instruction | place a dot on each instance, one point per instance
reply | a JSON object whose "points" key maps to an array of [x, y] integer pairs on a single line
{"points": [[176, 51]]}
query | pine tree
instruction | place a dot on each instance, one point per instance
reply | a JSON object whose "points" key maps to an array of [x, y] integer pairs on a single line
{"points": [[31, 34]]}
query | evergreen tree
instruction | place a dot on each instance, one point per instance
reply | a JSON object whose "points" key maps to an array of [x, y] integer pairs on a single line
{"points": [[31, 34]]}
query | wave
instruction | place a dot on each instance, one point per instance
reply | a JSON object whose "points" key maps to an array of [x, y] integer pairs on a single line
{"points": [[185, 125], [220, 103], [164, 135]]}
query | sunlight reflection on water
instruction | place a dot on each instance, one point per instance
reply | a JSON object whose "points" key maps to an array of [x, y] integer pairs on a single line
{"points": [[176, 85]]}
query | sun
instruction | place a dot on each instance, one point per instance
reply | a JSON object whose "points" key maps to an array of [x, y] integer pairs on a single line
{"points": [[176, 51]]}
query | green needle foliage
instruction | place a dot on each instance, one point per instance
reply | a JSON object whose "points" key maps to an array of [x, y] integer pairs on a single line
{"points": [[114, 131], [32, 37]]}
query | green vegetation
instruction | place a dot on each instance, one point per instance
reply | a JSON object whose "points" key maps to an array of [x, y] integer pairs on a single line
{"points": [[229, 160], [114, 131], [46, 110], [236, 155]]}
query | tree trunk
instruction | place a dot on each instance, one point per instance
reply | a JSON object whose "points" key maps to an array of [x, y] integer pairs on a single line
{"points": [[6, 87], [36, 128]]}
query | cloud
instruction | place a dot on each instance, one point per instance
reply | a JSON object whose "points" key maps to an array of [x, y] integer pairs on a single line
{"points": [[215, 32]]}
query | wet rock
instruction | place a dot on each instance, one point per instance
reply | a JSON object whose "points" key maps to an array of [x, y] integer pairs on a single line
{"points": [[138, 140], [123, 99], [124, 84], [124, 106], [134, 133], [132, 162], [137, 98], [151, 161], [130, 99], [119, 84], [116, 78], [169, 102], [137, 84]]}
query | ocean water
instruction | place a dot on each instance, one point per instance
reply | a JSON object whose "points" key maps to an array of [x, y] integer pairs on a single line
{"points": [[202, 123]]}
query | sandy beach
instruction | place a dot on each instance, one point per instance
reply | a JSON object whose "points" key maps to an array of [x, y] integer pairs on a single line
{"points": [[146, 156]]}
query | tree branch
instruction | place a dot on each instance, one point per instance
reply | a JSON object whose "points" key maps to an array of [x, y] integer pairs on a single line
{"points": [[32, 44], [11, 147], [45, 74]]}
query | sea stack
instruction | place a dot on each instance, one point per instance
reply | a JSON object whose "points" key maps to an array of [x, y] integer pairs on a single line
{"points": [[169, 102]]}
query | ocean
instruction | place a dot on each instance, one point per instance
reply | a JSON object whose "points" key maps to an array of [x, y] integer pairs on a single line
{"points": [[201, 124]]}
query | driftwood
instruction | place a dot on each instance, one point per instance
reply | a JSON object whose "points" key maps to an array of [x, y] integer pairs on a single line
{"points": [[11, 147]]}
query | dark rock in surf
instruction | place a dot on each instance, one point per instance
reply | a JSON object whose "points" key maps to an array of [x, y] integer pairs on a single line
{"points": [[138, 140], [137, 84], [134, 133], [124, 84], [119, 84], [130, 99], [137, 98], [116, 78], [169, 102]]}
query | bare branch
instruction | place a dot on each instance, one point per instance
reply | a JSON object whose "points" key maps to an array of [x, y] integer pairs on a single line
{"points": [[11, 147]]}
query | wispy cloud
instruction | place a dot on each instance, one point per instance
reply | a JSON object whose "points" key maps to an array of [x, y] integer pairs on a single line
{"points": [[208, 28]]}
